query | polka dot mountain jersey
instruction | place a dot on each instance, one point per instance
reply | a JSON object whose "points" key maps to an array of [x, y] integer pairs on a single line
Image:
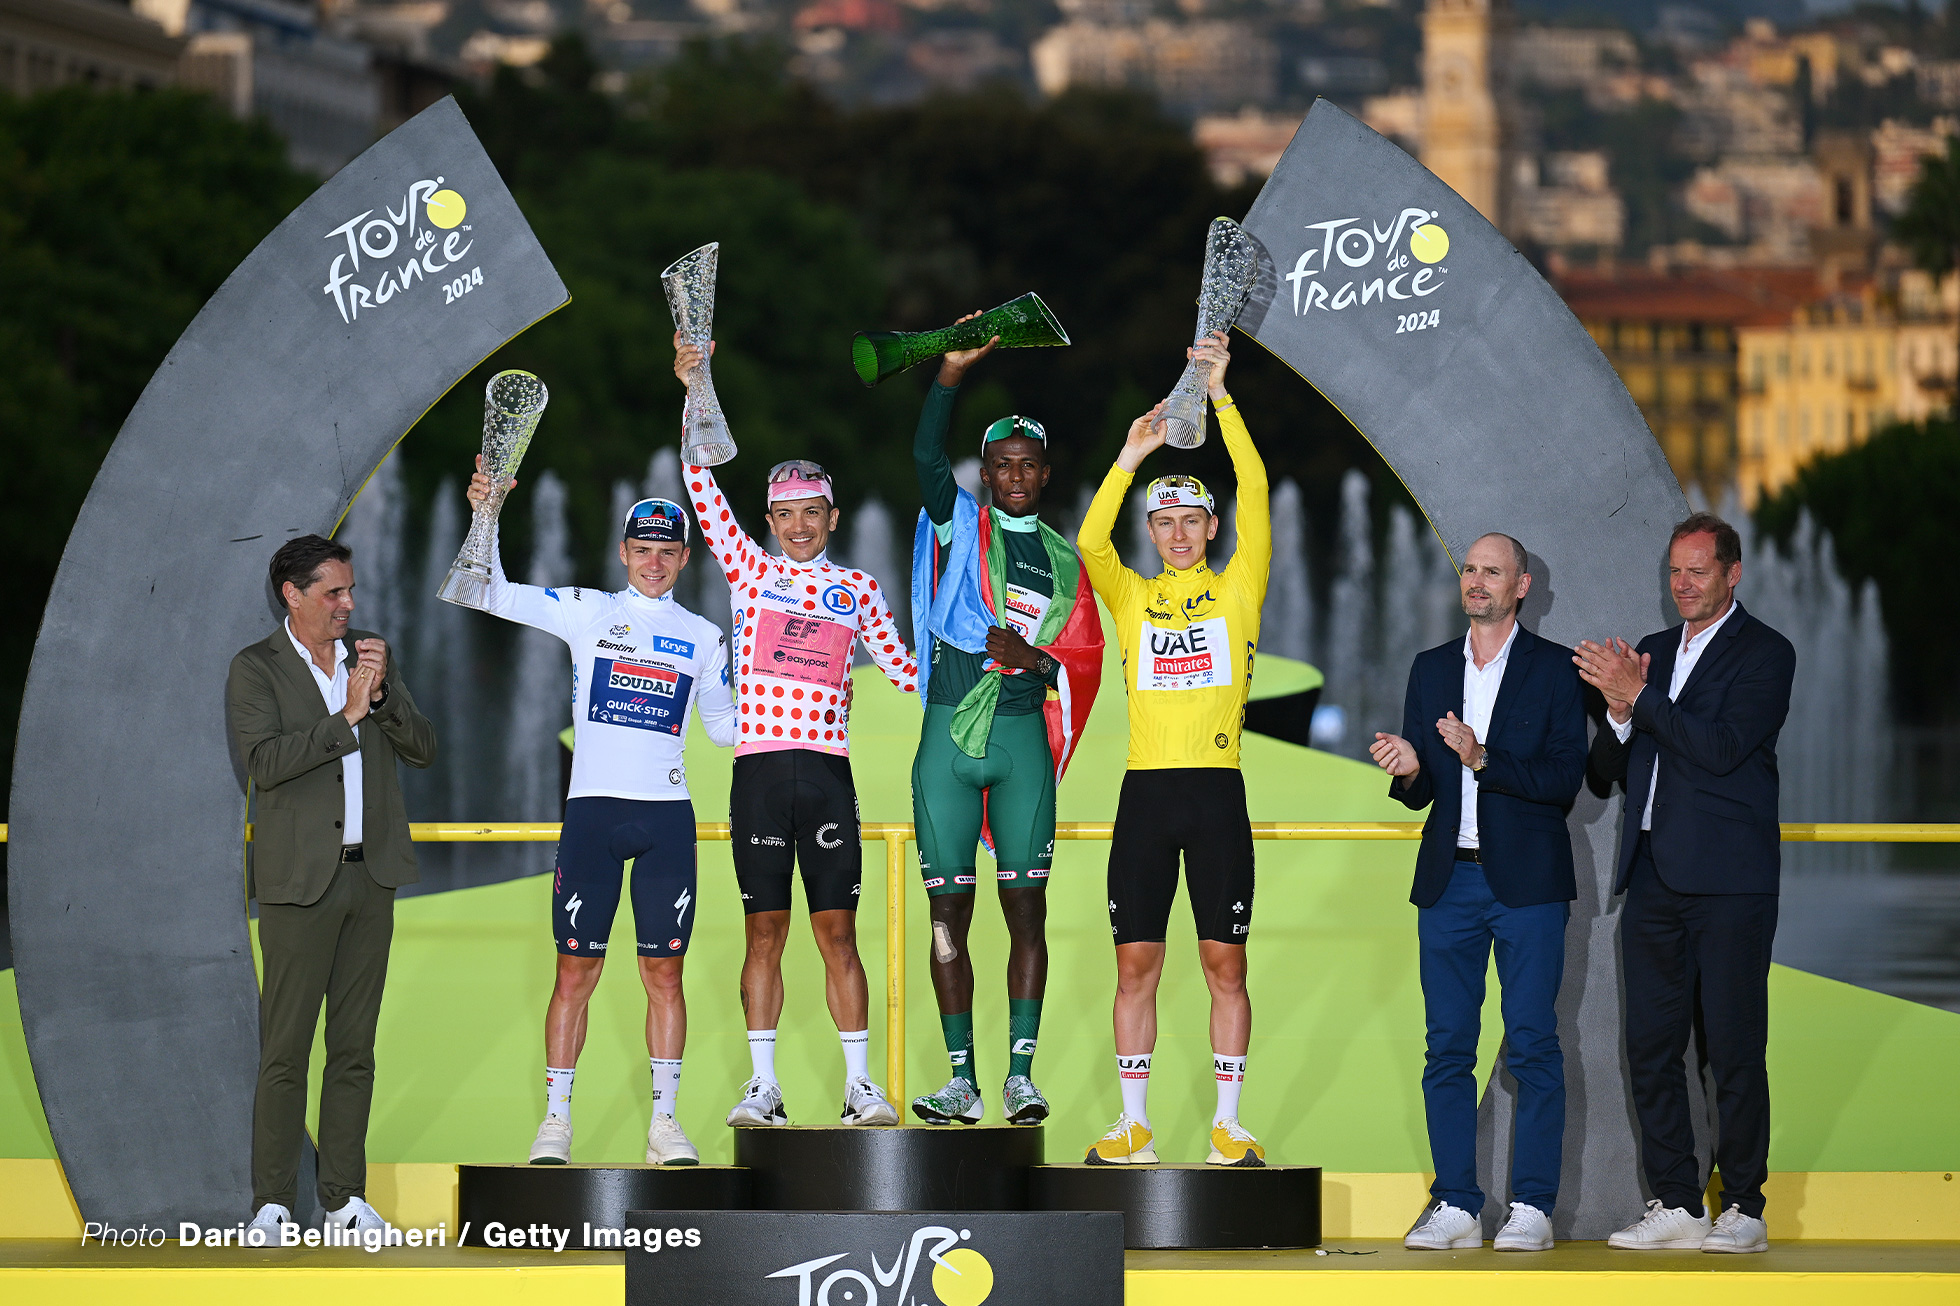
{"points": [[795, 624]]}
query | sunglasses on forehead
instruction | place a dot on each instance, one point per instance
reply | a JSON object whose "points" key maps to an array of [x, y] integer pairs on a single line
{"points": [[797, 469]]}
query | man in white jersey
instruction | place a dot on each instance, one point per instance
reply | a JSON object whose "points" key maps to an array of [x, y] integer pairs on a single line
{"points": [[640, 663], [792, 800]]}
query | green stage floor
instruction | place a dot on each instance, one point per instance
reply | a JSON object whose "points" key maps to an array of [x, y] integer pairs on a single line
{"points": [[1863, 1081]]}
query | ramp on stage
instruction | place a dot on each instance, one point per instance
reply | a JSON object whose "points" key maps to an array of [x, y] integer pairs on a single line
{"points": [[1792, 1274]]}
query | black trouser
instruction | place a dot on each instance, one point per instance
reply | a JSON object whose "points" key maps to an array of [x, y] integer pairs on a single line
{"points": [[1705, 957], [335, 950]]}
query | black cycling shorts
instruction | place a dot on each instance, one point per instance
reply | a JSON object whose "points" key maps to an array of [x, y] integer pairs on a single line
{"points": [[1197, 811], [795, 806], [600, 836]]}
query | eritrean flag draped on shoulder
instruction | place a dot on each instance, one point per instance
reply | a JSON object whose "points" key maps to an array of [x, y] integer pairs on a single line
{"points": [[962, 604]]}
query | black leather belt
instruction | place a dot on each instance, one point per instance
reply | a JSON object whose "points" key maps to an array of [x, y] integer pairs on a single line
{"points": [[351, 852], [1462, 854]]}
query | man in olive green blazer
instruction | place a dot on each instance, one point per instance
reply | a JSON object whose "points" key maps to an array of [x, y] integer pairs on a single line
{"points": [[320, 716]]}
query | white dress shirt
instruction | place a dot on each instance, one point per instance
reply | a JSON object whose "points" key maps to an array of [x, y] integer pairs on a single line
{"points": [[334, 689], [1480, 686], [1684, 666]]}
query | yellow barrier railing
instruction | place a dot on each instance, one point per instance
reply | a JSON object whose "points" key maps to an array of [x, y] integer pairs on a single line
{"points": [[896, 834]]}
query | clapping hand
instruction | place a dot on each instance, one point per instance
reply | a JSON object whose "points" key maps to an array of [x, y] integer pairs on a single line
{"points": [[1395, 755], [1461, 739], [1616, 671]]}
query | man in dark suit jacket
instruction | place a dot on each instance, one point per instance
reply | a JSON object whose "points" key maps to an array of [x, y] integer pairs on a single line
{"points": [[1694, 713], [1494, 742], [320, 715]]}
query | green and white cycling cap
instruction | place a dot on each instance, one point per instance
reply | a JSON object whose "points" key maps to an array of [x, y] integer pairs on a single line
{"points": [[1011, 426]]}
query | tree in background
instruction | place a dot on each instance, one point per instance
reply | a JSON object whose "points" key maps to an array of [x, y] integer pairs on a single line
{"points": [[1930, 226], [120, 214], [1889, 505]]}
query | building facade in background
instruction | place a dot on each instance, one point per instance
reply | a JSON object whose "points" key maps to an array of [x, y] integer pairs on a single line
{"points": [[49, 43]]}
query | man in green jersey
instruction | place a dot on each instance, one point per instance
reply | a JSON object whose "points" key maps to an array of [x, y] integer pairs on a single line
{"points": [[1003, 606]]}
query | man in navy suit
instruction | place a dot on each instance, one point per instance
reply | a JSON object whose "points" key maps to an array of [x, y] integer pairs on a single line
{"points": [[1494, 736], [1694, 712]]}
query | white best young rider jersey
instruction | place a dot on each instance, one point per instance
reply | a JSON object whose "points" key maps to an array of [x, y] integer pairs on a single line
{"points": [[795, 623], [638, 666]]}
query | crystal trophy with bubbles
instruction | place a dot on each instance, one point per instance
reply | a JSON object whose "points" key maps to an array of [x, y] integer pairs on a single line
{"points": [[690, 285], [1020, 323], [512, 404], [1231, 269]]}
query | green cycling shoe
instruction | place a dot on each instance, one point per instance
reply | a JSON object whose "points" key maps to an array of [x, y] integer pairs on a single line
{"points": [[1022, 1102], [958, 1101]]}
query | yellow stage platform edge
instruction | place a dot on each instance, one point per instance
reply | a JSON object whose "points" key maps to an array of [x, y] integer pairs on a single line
{"points": [[1529, 1288], [551, 1285], [530, 1285], [1853, 1206]]}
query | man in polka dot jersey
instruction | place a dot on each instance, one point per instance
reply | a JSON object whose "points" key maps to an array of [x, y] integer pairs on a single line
{"points": [[792, 800]]}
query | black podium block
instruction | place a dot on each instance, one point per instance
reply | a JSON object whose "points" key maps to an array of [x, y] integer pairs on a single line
{"points": [[1190, 1206], [918, 1168], [495, 1199]]}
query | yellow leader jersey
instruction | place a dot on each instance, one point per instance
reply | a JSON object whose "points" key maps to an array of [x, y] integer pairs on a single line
{"points": [[1187, 636]]}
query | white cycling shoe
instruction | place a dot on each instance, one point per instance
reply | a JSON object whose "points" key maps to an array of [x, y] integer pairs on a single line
{"points": [[554, 1142], [761, 1105], [866, 1104], [667, 1145]]}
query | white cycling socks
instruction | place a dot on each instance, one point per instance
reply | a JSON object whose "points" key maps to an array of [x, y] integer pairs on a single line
{"points": [[558, 1092], [666, 1084], [762, 1054], [857, 1054], [1230, 1072], [1134, 1073]]}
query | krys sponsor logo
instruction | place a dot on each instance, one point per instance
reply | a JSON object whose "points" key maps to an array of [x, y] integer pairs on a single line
{"points": [[960, 1276], [383, 254], [1359, 261]]}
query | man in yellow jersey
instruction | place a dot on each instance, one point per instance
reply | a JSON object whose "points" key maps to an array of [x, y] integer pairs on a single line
{"points": [[1188, 636]]}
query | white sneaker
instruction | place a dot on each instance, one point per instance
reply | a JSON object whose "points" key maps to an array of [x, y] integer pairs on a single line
{"points": [[761, 1104], [1445, 1229], [1736, 1232], [269, 1224], [356, 1215], [667, 1145], [554, 1142], [866, 1104], [1528, 1230], [1663, 1228]]}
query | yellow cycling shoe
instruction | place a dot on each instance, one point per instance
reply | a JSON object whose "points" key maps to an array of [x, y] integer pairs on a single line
{"points": [[1126, 1143], [1232, 1145]]}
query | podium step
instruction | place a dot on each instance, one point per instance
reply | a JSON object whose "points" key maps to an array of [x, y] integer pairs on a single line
{"points": [[496, 1199], [915, 1168], [1190, 1206]]}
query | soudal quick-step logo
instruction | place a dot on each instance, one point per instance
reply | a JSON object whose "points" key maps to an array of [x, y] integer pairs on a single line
{"points": [[1352, 261], [388, 252], [642, 680]]}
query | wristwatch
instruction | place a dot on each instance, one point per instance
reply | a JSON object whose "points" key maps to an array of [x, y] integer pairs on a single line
{"points": [[375, 705], [1483, 758], [1044, 666]]}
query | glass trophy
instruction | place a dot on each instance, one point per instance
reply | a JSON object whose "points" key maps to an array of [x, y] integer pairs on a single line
{"points": [[690, 286], [1020, 323], [1231, 269], [512, 404]]}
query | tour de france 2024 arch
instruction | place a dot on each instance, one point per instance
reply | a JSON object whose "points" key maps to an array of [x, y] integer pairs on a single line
{"points": [[321, 349], [1445, 348]]}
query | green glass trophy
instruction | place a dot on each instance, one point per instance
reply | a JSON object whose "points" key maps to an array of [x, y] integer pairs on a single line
{"points": [[1020, 323]]}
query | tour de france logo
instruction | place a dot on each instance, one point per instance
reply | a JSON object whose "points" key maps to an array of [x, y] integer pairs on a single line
{"points": [[1357, 261], [383, 254], [960, 1276]]}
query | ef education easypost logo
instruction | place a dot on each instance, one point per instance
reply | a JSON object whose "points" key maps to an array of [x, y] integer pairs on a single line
{"points": [[389, 251], [1356, 261]]}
